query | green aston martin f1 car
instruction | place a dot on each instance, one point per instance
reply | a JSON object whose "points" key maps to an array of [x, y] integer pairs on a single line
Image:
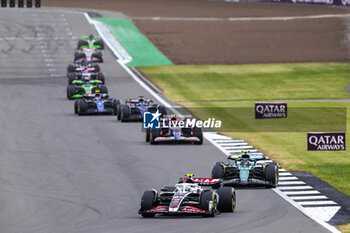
{"points": [[79, 88]]}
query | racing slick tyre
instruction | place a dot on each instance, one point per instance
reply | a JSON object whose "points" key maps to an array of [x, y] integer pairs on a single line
{"points": [[148, 135], [271, 175], [124, 112], [82, 106], [76, 103], [197, 132], [206, 198], [78, 55], [217, 172], [103, 89], [71, 77], [99, 43], [97, 55], [70, 91], [162, 110], [82, 43], [70, 68], [227, 199], [101, 77], [153, 135], [119, 112], [115, 104], [148, 201], [96, 68]]}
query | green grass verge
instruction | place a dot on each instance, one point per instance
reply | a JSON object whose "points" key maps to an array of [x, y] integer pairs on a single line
{"points": [[345, 228], [189, 84], [252, 82], [135, 43]]}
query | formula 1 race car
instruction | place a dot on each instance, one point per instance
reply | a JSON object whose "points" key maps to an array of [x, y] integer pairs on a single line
{"points": [[95, 104], [133, 109], [88, 55], [171, 132], [247, 169], [90, 42], [83, 66], [189, 197], [85, 75], [81, 87]]}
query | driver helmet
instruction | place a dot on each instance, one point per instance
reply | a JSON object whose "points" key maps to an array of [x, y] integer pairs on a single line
{"points": [[91, 37]]}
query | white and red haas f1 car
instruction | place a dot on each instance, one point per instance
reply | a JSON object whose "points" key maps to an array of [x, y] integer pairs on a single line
{"points": [[174, 130], [191, 196]]}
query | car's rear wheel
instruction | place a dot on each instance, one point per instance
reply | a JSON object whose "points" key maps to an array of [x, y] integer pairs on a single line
{"points": [[197, 132], [209, 202], [125, 113], [148, 202], [82, 43], [217, 171], [71, 77], [70, 91], [148, 135], [115, 105], [101, 77], [153, 135], [227, 199], [70, 68], [103, 89], [100, 43]]}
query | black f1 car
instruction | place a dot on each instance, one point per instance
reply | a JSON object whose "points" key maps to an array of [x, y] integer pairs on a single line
{"points": [[247, 169], [89, 55], [81, 87], [95, 104], [189, 197], [86, 75], [83, 66], [133, 109], [170, 132]]}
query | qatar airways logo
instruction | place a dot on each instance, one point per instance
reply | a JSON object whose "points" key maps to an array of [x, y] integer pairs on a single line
{"points": [[189, 123], [326, 141], [270, 110]]}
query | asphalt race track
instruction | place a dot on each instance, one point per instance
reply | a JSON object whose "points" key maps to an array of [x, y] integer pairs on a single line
{"points": [[60, 173]]}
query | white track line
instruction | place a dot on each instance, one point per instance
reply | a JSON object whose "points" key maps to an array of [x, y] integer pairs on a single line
{"points": [[283, 18], [295, 187], [316, 203], [309, 197], [288, 178], [285, 174], [302, 192], [290, 182]]}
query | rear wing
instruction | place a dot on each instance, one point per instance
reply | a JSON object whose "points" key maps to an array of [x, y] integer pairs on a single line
{"points": [[203, 181]]}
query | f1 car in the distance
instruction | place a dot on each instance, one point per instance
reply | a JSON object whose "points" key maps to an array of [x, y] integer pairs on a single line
{"points": [[133, 109], [89, 55], [170, 132], [95, 104], [81, 87], [90, 41], [189, 197], [247, 169], [82, 66], [86, 74]]}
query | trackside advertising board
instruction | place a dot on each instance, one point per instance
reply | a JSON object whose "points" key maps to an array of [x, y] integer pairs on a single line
{"points": [[326, 141]]}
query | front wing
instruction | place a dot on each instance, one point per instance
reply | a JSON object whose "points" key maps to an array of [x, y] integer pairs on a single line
{"points": [[183, 210]]}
